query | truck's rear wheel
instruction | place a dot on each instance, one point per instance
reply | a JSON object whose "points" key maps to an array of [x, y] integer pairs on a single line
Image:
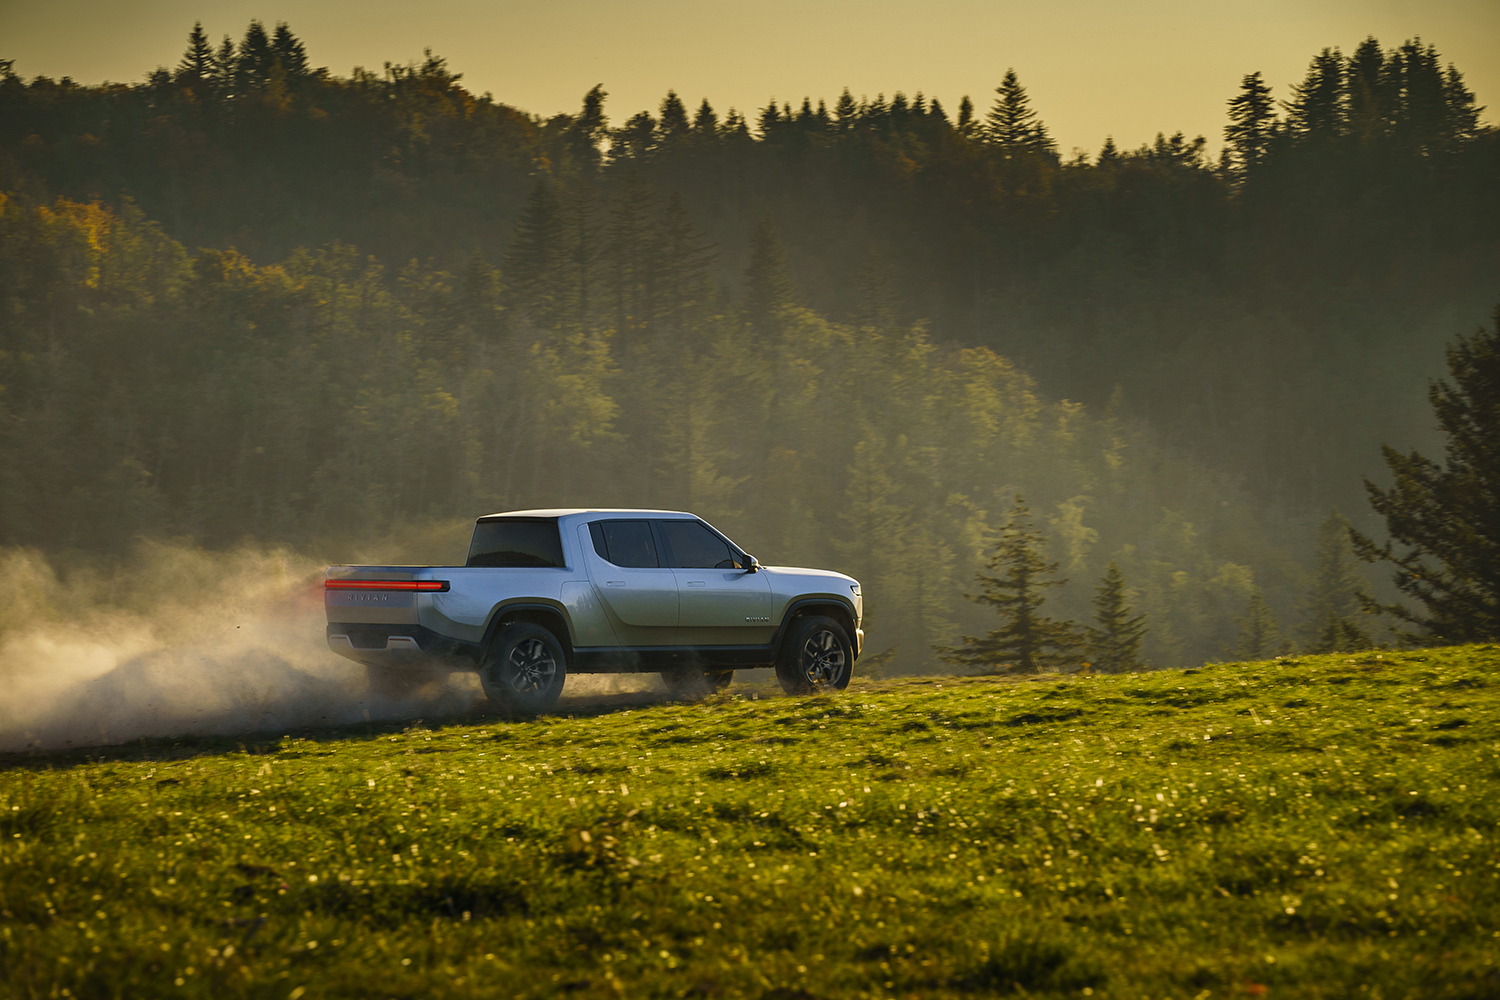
{"points": [[525, 669], [695, 684], [815, 656]]}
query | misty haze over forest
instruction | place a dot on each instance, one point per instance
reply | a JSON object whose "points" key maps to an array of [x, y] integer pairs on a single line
{"points": [[248, 299]]}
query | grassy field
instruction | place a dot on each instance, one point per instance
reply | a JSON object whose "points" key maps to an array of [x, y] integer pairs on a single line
{"points": [[1310, 827]]}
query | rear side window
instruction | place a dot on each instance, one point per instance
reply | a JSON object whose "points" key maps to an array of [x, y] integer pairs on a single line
{"points": [[625, 543], [517, 543], [694, 546]]}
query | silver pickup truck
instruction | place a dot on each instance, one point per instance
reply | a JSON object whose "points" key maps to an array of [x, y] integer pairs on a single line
{"points": [[548, 592]]}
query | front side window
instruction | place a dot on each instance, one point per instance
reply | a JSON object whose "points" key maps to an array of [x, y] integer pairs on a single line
{"points": [[694, 546], [625, 543], [516, 543]]}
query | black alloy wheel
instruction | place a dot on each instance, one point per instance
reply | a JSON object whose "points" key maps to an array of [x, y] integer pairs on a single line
{"points": [[815, 656], [525, 668]]}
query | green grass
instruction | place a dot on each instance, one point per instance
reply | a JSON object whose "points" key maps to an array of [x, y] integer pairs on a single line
{"points": [[1310, 827]]}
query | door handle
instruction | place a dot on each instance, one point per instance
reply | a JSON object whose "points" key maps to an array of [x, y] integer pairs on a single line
{"points": [[614, 583], [697, 583]]}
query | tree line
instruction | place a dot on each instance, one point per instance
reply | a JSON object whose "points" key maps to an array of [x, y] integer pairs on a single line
{"points": [[1266, 310]]}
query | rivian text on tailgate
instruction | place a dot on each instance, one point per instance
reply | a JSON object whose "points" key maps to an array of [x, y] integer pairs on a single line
{"points": [[548, 592]]}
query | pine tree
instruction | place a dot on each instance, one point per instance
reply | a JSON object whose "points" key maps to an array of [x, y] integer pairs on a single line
{"points": [[537, 263], [1334, 600], [706, 122], [674, 117], [197, 66], [1422, 125], [1448, 515], [1012, 124], [1319, 108], [635, 139], [965, 123], [768, 283], [588, 130], [1252, 117], [255, 59], [1368, 87], [686, 264], [1259, 630], [287, 49], [1463, 115], [845, 111], [1109, 155], [1016, 587], [1114, 641], [226, 66]]}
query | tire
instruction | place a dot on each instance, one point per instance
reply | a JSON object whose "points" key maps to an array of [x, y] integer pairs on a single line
{"points": [[694, 684], [524, 669], [397, 682], [816, 655]]}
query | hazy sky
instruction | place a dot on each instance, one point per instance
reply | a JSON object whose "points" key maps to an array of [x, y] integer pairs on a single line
{"points": [[1092, 68]]}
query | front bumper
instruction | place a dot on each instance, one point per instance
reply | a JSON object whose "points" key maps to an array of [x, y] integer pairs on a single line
{"points": [[859, 641]]}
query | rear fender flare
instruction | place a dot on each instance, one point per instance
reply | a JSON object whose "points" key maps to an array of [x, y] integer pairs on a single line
{"points": [[551, 615]]}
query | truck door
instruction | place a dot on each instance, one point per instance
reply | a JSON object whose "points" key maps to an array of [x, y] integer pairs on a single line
{"points": [[633, 581], [720, 604]]}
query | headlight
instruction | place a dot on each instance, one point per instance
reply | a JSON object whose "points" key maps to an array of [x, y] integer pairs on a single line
{"points": [[854, 589]]}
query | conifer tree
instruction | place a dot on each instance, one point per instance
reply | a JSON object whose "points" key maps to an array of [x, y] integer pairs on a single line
{"points": [[768, 283], [1259, 630], [588, 130], [1114, 640], [226, 65], [965, 123], [1447, 515], [197, 66], [254, 59], [537, 263], [1252, 118], [288, 50], [1319, 109], [1368, 96], [1109, 155], [706, 122], [1463, 114], [1423, 126], [845, 111], [674, 117], [635, 139], [1012, 124], [1016, 586], [1334, 600]]}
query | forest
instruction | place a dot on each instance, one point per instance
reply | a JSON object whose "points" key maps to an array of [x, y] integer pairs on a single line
{"points": [[249, 300]]}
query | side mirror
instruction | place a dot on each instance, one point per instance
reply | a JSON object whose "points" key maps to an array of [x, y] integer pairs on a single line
{"points": [[751, 564]]}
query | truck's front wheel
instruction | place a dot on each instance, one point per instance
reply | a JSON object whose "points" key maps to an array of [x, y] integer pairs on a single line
{"points": [[525, 669], [816, 655]]}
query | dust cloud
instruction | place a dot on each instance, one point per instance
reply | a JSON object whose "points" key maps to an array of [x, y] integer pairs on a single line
{"points": [[183, 642], [179, 642]]}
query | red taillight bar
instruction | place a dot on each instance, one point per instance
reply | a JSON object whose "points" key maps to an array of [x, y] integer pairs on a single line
{"points": [[385, 584]]}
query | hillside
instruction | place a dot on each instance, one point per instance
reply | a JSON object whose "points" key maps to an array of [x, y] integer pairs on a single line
{"points": [[1273, 312], [1318, 826]]}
